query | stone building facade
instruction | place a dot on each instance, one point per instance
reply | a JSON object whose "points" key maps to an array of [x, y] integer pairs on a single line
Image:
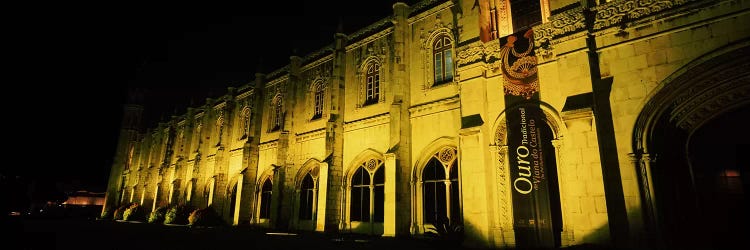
{"points": [[531, 123]]}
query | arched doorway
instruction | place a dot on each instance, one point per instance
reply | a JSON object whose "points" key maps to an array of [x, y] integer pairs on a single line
{"points": [[689, 139], [528, 133]]}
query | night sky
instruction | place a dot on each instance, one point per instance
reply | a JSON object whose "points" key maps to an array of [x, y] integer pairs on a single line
{"points": [[71, 65]]}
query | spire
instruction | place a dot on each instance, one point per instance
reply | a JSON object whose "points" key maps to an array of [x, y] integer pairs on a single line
{"points": [[340, 26]]}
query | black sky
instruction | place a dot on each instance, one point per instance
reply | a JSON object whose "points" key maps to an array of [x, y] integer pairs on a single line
{"points": [[71, 66]]}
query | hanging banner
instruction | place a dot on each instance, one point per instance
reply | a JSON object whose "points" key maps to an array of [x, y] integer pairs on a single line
{"points": [[532, 220]]}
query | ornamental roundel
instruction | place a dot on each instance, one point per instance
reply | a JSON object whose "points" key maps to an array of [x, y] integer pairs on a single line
{"points": [[371, 165], [447, 155], [314, 171]]}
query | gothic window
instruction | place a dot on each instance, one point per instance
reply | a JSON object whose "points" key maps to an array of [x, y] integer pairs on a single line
{"points": [[306, 197], [197, 136], [442, 51], [244, 122], [130, 157], [178, 140], [319, 94], [440, 187], [265, 199], [219, 128], [277, 116], [525, 14], [367, 199], [232, 200], [372, 93]]}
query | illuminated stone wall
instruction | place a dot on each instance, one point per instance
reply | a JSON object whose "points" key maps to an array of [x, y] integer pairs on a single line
{"points": [[224, 150]]}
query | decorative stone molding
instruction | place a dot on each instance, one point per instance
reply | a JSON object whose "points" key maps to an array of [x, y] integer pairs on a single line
{"points": [[310, 135], [427, 38], [563, 24], [318, 57], [268, 145], [384, 26], [279, 72], [702, 107], [367, 122], [470, 53], [449, 103], [422, 6], [374, 54], [619, 12]]}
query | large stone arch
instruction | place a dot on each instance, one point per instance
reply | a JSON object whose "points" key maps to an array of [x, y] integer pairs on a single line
{"points": [[417, 224], [501, 169], [318, 170], [711, 86], [374, 160]]}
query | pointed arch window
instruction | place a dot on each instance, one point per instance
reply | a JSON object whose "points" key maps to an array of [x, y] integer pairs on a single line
{"points": [[442, 54], [245, 122], [440, 193], [265, 199], [233, 200], [372, 84], [277, 116], [307, 194], [367, 199], [318, 100]]}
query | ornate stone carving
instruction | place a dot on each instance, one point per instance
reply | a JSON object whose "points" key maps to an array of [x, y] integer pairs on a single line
{"points": [[372, 164], [618, 12], [471, 53], [447, 155], [427, 38], [565, 23]]}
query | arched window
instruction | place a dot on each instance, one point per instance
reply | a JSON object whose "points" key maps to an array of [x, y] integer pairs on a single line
{"points": [[440, 195], [197, 135], [319, 93], [442, 51], [232, 200], [219, 127], [367, 199], [245, 122], [130, 157], [525, 14], [306, 197], [372, 84], [277, 116], [265, 199]]}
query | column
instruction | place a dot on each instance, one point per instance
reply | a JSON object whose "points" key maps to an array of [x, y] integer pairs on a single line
{"points": [[320, 199], [389, 216]]}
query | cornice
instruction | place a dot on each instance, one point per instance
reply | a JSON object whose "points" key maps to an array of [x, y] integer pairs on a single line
{"points": [[425, 10], [619, 12], [268, 145], [434, 106], [316, 63], [277, 81], [367, 122], [312, 134], [369, 39], [382, 24]]}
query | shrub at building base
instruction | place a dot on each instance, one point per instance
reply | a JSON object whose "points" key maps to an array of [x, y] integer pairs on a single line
{"points": [[205, 217], [106, 214], [117, 215], [158, 215], [446, 232], [178, 214], [134, 213]]}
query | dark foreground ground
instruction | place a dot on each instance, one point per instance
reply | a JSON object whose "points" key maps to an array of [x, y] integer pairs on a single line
{"points": [[93, 234]]}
